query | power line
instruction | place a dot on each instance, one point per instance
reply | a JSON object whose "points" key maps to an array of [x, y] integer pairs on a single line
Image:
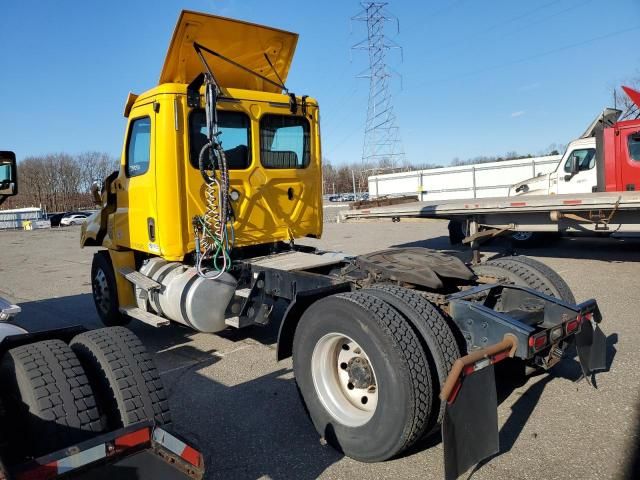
{"points": [[462, 43], [530, 57]]}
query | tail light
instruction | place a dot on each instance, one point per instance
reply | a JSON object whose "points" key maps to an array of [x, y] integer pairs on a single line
{"points": [[572, 326], [538, 342]]}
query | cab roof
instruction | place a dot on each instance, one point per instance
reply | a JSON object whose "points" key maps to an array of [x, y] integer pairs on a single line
{"points": [[242, 42]]}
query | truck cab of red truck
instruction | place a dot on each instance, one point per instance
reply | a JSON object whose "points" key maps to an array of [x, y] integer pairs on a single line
{"points": [[619, 147]]}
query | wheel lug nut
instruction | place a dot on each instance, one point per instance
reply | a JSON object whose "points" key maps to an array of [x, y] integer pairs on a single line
{"points": [[357, 351]]}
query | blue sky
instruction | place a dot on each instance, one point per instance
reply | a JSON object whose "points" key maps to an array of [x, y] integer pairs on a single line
{"points": [[478, 77]]}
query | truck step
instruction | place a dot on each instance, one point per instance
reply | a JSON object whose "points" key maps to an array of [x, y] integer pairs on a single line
{"points": [[238, 322], [138, 279], [243, 292], [146, 317]]}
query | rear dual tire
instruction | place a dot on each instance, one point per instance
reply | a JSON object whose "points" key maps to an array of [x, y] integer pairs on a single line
{"points": [[527, 272], [56, 395], [393, 361]]}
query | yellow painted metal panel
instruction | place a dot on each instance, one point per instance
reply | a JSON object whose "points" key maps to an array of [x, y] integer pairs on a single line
{"points": [[243, 42], [126, 293], [264, 212], [136, 195]]}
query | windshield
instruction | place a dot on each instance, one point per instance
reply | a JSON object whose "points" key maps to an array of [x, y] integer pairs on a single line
{"points": [[586, 159]]}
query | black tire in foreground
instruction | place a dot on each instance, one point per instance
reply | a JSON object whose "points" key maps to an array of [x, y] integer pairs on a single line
{"points": [[50, 404], [123, 375], [105, 290], [436, 337], [529, 273], [363, 375]]}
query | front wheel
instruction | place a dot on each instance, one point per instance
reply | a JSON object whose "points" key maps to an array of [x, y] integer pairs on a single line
{"points": [[105, 290], [363, 376]]}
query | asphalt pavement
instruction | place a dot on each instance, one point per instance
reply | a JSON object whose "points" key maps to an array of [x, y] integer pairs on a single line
{"points": [[239, 406]]}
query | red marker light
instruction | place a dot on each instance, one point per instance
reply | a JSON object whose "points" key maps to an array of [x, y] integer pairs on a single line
{"points": [[538, 342], [572, 326]]}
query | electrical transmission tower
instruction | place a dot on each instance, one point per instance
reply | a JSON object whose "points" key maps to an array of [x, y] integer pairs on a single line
{"points": [[382, 145]]}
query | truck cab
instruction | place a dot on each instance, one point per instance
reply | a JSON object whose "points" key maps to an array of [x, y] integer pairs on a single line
{"points": [[620, 146], [576, 173], [270, 139]]}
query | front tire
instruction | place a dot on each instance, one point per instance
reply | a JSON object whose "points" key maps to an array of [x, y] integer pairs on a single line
{"points": [[363, 376], [105, 290]]}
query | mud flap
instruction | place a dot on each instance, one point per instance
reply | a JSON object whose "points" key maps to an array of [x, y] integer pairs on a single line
{"points": [[470, 424], [591, 344]]}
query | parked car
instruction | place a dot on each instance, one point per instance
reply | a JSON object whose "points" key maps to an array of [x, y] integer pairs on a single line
{"points": [[75, 219]]}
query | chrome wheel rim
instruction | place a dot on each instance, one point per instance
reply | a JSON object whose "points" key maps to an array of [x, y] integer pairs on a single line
{"points": [[344, 379], [101, 291]]}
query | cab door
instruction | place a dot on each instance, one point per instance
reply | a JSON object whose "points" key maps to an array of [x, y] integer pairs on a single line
{"points": [[136, 184], [585, 179], [628, 158]]}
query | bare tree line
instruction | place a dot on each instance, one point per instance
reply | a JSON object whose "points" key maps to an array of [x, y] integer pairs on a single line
{"points": [[60, 182]]}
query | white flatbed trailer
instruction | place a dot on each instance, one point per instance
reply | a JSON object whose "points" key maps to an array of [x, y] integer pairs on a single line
{"points": [[587, 213]]}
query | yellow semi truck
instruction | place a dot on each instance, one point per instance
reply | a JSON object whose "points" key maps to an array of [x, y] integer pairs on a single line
{"points": [[220, 175]]}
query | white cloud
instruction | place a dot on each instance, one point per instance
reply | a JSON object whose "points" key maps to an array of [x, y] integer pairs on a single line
{"points": [[519, 113]]}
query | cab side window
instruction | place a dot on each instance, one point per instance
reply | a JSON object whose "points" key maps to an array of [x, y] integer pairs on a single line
{"points": [[634, 147], [138, 147], [586, 159]]}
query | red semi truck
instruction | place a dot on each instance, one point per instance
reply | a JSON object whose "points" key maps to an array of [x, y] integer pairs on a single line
{"points": [[618, 149]]}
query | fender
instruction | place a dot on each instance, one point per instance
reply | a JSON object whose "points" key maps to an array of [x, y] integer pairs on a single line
{"points": [[296, 308]]}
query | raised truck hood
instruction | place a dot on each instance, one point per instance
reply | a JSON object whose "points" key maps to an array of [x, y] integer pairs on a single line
{"points": [[607, 118], [244, 43]]}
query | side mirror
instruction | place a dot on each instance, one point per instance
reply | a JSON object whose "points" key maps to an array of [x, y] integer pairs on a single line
{"points": [[8, 175], [574, 167], [96, 188]]}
